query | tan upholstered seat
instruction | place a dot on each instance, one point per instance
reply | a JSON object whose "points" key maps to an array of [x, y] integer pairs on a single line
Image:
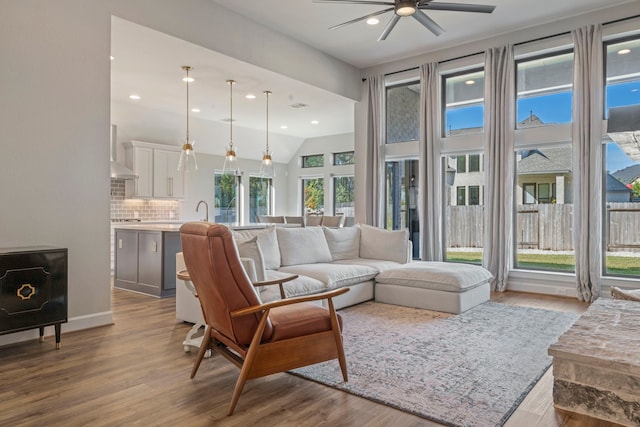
{"points": [[261, 339]]}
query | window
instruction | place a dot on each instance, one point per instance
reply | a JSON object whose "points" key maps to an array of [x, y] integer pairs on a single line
{"points": [[544, 87], [312, 196], [621, 217], [259, 197], [345, 158], [227, 200], [461, 164], [402, 199], [403, 112], [461, 196], [544, 219], [474, 162], [313, 161], [344, 195], [464, 213], [463, 103]]}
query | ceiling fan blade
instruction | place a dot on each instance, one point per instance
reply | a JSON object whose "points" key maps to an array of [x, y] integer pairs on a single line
{"points": [[376, 3], [429, 23], [387, 29], [362, 18], [456, 7]]}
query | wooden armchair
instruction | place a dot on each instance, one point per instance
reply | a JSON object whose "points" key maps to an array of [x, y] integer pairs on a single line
{"points": [[261, 339]]}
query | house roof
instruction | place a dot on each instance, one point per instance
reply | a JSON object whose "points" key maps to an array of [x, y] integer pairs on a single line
{"points": [[615, 185], [545, 161], [628, 175]]}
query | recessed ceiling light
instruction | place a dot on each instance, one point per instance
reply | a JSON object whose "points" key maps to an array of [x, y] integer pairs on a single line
{"points": [[250, 96], [111, 57], [470, 82], [188, 79], [314, 122], [134, 96], [195, 110], [624, 51], [373, 21], [283, 127]]}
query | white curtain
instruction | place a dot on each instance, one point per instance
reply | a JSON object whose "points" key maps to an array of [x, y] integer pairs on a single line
{"points": [[499, 125], [374, 168], [429, 181], [587, 159]]}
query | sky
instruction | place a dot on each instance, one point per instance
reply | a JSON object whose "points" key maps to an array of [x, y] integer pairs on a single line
{"points": [[555, 108]]}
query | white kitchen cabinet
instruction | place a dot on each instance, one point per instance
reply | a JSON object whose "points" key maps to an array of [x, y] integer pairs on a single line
{"points": [[140, 160], [168, 182]]}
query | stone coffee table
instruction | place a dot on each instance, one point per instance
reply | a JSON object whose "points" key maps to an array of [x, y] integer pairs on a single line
{"points": [[596, 363]]}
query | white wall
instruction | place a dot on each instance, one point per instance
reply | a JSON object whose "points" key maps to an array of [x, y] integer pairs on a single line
{"points": [[326, 145], [54, 142]]}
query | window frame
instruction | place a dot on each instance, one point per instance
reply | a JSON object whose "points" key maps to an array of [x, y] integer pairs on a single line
{"points": [[353, 158], [305, 158]]}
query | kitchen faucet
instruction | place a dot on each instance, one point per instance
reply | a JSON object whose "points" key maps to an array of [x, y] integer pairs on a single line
{"points": [[206, 217]]}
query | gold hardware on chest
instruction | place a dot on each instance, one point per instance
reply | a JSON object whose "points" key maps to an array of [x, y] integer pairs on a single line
{"points": [[26, 291]]}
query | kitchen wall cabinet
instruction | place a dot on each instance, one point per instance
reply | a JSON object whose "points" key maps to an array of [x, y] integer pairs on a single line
{"points": [[145, 261], [157, 168], [167, 181]]}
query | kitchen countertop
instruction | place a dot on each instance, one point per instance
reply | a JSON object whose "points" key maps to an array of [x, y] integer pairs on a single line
{"points": [[172, 226]]}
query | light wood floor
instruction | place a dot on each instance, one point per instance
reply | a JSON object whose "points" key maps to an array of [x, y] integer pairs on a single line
{"points": [[136, 373]]}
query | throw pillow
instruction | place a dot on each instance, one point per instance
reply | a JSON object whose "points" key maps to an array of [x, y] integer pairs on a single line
{"points": [[302, 246], [268, 242], [376, 243], [344, 243], [251, 249]]}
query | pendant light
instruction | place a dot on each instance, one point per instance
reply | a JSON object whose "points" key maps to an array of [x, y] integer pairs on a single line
{"points": [[187, 159], [266, 167], [231, 160]]}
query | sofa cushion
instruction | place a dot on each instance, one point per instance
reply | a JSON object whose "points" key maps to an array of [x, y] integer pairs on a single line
{"points": [[379, 264], [250, 249], [344, 243], [333, 275], [303, 285], [376, 243], [302, 246], [268, 242], [439, 276]]}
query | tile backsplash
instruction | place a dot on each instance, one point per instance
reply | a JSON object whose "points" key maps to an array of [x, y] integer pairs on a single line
{"points": [[145, 210]]}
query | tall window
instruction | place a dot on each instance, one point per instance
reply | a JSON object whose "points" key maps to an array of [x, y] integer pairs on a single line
{"points": [[312, 196], [403, 112], [544, 231], [259, 197], [313, 161], [344, 195], [463, 103], [545, 87], [622, 160], [227, 198], [402, 199]]}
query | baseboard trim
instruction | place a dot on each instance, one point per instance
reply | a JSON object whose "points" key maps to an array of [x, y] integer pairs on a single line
{"points": [[74, 324]]}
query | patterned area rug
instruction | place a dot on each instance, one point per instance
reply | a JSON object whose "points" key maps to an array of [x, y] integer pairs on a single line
{"points": [[472, 369]]}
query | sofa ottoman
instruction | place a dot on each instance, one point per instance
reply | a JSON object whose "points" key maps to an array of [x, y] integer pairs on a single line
{"points": [[438, 286]]}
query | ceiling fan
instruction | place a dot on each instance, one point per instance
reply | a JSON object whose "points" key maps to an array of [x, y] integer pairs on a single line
{"points": [[413, 8]]}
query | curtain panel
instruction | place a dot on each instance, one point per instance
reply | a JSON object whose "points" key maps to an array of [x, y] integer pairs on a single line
{"points": [[430, 196], [374, 167], [499, 125], [587, 159]]}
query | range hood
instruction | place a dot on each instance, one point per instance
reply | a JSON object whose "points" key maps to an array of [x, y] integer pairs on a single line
{"points": [[118, 171], [623, 128]]}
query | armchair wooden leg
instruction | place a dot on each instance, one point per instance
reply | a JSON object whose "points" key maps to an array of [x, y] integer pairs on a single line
{"points": [[206, 341], [335, 325]]}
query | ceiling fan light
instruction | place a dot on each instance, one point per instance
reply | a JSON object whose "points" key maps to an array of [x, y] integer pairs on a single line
{"points": [[405, 8]]}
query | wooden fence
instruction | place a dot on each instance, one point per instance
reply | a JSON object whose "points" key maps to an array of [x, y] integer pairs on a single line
{"points": [[545, 226]]}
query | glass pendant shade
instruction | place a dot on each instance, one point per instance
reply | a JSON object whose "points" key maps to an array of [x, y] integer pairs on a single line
{"points": [[230, 165], [187, 161], [266, 167]]}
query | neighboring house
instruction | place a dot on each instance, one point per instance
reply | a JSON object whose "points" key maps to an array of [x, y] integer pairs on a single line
{"points": [[628, 175], [617, 191], [544, 176]]}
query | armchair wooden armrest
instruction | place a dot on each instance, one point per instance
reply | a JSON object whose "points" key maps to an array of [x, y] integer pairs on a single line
{"points": [[278, 282], [295, 300]]}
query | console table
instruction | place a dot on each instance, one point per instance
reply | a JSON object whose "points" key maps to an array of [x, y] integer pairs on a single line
{"points": [[33, 289], [596, 363]]}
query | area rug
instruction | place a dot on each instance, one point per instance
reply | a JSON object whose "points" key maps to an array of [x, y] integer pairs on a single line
{"points": [[472, 369]]}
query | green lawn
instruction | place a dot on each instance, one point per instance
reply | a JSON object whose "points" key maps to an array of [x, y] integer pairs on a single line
{"points": [[627, 266]]}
